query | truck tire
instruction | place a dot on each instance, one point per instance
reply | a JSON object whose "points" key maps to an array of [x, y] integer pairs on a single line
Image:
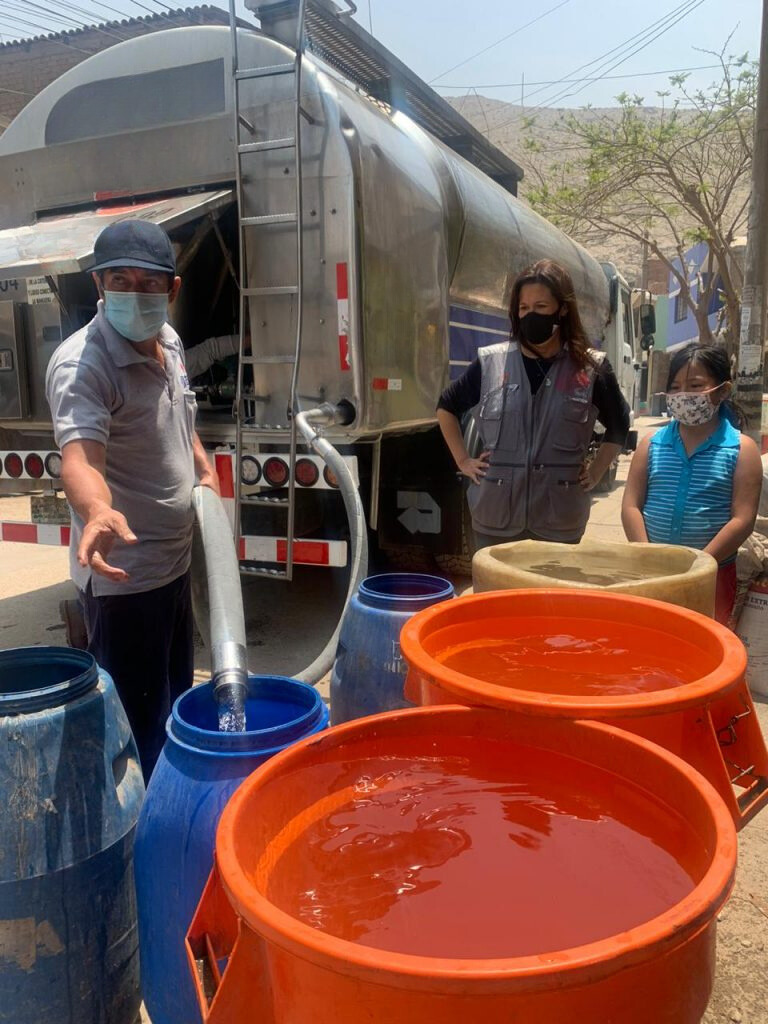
{"points": [[74, 624], [460, 564]]}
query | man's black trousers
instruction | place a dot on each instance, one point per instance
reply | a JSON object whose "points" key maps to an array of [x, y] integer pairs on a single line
{"points": [[144, 641]]}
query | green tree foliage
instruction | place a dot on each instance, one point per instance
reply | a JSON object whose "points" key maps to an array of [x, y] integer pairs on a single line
{"points": [[670, 177]]}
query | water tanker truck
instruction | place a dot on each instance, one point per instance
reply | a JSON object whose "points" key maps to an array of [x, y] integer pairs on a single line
{"points": [[341, 255]]}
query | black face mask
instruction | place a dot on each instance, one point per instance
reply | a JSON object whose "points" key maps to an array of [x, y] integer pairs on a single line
{"points": [[537, 328]]}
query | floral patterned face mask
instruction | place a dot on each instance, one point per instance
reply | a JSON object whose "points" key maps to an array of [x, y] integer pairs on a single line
{"points": [[692, 408]]}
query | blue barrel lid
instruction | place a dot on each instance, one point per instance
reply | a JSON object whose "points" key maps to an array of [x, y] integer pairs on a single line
{"points": [[278, 711], [36, 678], [406, 590]]}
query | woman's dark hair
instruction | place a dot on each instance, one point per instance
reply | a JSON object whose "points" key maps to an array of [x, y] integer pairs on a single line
{"points": [[715, 361], [559, 282]]}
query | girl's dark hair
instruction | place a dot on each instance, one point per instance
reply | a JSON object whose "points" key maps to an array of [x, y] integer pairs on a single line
{"points": [[559, 282], [716, 362]]}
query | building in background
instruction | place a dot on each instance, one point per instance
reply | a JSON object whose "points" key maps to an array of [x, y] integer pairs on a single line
{"points": [[28, 65], [675, 323], [681, 323]]}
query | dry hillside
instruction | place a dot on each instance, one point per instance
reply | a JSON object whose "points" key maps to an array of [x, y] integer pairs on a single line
{"points": [[503, 123]]}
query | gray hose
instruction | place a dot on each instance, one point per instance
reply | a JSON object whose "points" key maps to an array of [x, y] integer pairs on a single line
{"points": [[226, 620], [307, 424]]}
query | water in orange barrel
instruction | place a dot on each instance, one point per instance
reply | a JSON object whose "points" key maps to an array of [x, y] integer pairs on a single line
{"points": [[599, 659], [444, 856]]}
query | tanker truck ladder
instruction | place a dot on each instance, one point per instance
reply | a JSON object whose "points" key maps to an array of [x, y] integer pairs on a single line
{"points": [[252, 231]]}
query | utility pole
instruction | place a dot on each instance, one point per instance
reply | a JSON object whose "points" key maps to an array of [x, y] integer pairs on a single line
{"points": [[649, 353], [751, 360]]}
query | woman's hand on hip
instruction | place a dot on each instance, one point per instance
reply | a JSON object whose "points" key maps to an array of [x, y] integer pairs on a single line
{"points": [[475, 469], [590, 476]]}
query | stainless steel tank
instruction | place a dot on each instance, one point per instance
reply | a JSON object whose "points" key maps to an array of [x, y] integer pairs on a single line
{"points": [[416, 236]]}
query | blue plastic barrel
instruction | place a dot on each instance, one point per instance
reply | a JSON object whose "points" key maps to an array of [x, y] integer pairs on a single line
{"points": [[369, 670], [198, 770], [70, 789]]}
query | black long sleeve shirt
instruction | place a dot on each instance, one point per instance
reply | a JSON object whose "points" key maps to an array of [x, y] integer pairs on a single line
{"points": [[612, 410]]}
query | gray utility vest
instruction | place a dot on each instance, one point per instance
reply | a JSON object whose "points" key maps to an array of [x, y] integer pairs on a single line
{"points": [[537, 445]]}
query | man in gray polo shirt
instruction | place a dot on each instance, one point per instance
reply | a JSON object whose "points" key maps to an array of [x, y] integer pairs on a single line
{"points": [[124, 419]]}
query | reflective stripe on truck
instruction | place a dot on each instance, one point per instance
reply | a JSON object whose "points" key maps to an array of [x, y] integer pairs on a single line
{"points": [[35, 533], [253, 549]]}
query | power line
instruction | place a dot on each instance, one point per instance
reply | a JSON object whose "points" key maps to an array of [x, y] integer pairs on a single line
{"points": [[637, 50], [92, 19], [155, 14], [97, 15], [62, 41], [502, 40], [601, 59], [599, 62], [597, 78], [164, 7], [67, 19], [100, 5], [36, 9], [24, 21], [648, 35], [627, 43]]}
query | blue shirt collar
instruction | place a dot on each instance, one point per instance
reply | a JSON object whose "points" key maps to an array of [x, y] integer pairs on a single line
{"points": [[725, 436]]}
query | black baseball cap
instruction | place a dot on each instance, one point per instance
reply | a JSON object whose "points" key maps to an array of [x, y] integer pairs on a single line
{"points": [[134, 243]]}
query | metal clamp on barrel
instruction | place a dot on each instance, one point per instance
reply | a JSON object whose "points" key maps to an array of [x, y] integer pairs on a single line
{"points": [[226, 958], [743, 753], [212, 937]]}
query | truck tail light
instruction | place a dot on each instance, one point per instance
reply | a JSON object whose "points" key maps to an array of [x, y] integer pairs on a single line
{"points": [[330, 477], [276, 472], [307, 473], [34, 465], [13, 465], [53, 465], [250, 470]]}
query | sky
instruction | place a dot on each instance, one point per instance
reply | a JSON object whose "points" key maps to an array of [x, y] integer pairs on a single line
{"points": [[432, 36], [548, 41]]}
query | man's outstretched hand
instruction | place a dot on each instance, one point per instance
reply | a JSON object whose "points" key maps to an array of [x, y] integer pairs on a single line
{"points": [[99, 535]]}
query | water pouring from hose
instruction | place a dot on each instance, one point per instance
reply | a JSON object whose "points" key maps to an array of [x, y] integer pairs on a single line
{"points": [[215, 563], [216, 588]]}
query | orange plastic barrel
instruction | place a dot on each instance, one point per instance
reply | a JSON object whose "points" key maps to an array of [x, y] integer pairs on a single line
{"points": [[663, 672], [455, 864]]}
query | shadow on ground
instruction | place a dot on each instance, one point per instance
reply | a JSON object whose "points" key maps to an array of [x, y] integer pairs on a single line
{"points": [[33, 619]]}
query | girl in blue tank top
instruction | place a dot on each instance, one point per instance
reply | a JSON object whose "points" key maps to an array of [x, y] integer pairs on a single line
{"points": [[697, 481]]}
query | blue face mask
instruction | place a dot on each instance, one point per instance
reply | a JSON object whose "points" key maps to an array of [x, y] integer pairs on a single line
{"points": [[138, 316]]}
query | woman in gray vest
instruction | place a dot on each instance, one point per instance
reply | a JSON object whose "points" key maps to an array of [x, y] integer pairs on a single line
{"points": [[536, 398]]}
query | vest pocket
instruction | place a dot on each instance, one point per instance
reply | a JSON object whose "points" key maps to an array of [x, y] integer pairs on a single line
{"points": [[560, 499], [491, 413], [498, 503], [576, 410]]}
